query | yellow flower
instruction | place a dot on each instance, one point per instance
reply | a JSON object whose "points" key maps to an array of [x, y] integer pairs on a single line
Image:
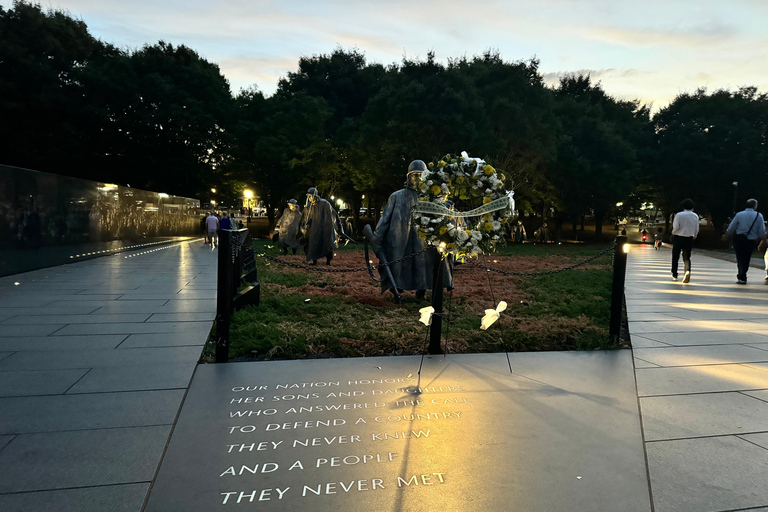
{"points": [[441, 164], [435, 189], [487, 216], [431, 164], [461, 158], [460, 179], [486, 200], [468, 232], [488, 226], [504, 220], [487, 171], [450, 246], [443, 230]]}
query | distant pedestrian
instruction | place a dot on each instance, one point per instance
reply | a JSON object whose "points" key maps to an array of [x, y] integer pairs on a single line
{"points": [[763, 246], [225, 222], [518, 233], [685, 228], [747, 227], [212, 224]]}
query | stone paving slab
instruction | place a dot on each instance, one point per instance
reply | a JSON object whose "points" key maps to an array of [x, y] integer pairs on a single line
{"points": [[699, 379], [130, 328], [75, 319], [135, 378], [99, 358], [38, 382], [709, 414], [13, 331], [689, 326], [182, 317], [57, 343], [92, 411], [84, 458], [707, 338], [116, 306], [72, 309], [712, 473], [639, 341], [550, 435], [163, 340], [758, 439], [701, 355], [114, 498]]}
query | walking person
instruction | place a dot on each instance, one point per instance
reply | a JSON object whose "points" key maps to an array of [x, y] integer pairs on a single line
{"points": [[747, 227], [685, 228], [212, 223]]}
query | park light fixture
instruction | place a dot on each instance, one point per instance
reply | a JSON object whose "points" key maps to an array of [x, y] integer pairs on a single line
{"points": [[339, 202], [625, 248], [248, 194], [213, 190]]}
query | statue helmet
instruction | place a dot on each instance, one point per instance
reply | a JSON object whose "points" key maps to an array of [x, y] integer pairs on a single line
{"points": [[312, 192], [293, 201], [417, 166]]}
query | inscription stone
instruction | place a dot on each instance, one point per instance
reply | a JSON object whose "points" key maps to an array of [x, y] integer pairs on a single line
{"points": [[370, 434]]}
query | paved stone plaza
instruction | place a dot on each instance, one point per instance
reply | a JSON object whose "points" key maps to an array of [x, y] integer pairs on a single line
{"points": [[96, 358]]}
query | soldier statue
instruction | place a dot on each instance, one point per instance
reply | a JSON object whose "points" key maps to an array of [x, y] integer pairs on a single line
{"points": [[398, 236], [288, 227], [320, 228]]}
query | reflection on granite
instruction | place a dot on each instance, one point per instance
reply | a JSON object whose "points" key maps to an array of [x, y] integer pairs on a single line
{"points": [[45, 218]]}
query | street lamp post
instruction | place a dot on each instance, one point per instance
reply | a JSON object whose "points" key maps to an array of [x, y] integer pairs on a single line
{"points": [[735, 192]]}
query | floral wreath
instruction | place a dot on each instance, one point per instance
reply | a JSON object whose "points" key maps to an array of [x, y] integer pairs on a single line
{"points": [[461, 180]]}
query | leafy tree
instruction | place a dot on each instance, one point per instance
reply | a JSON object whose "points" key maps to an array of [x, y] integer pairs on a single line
{"points": [[46, 119], [268, 135], [706, 142], [597, 161]]}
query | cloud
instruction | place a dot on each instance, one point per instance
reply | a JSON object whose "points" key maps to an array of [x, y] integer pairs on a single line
{"points": [[706, 35]]}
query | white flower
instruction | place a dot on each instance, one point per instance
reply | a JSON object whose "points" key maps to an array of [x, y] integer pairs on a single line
{"points": [[495, 237], [431, 229], [429, 183], [476, 235], [462, 236], [488, 191], [476, 250], [436, 220], [479, 184], [496, 225], [425, 174], [445, 189], [425, 220], [441, 175]]}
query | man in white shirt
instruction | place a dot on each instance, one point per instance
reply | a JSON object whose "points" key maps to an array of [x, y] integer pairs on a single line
{"points": [[685, 228], [212, 225]]}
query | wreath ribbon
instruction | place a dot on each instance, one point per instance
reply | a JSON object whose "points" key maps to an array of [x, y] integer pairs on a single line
{"points": [[438, 209]]}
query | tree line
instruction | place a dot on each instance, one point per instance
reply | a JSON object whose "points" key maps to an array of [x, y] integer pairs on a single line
{"points": [[163, 118]]}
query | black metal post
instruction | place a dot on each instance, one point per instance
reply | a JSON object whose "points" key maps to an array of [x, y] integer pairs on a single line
{"points": [[617, 288], [436, 329], [224, 295]]}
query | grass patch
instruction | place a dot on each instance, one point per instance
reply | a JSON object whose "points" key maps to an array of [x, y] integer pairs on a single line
{"points": [[307, 314]]}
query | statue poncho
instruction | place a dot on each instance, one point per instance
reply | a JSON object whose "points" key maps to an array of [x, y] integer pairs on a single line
{"points": [[320, 230], [288, 227], [400, 237]]}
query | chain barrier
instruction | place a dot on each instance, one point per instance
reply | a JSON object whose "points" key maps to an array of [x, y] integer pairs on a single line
{"points": [[545, 272], [369, 268]]}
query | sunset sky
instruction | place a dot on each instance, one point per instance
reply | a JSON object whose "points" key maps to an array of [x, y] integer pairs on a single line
{"points": [[649, 51]]}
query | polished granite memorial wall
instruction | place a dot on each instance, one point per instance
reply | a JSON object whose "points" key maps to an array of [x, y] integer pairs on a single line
{"points": [[45, 217]]}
